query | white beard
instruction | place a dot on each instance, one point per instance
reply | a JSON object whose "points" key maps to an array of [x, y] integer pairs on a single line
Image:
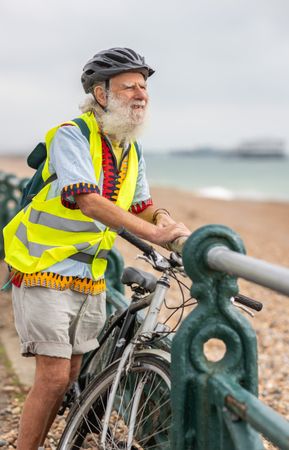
{"points": [[123, 121]]}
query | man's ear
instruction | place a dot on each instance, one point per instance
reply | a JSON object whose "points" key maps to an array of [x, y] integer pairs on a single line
{"points": [[100, 95]]}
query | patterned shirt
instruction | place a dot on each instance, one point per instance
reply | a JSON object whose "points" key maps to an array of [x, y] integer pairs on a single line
{"points": [[70, 159]]}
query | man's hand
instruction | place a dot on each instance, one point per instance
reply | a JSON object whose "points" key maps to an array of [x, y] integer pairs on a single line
{"points": [[165, 234]]}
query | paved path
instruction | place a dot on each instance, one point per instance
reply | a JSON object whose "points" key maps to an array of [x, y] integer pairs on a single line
{"points": [[23, 367]]}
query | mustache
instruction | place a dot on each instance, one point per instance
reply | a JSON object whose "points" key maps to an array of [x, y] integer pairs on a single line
{"points": [[138, 103]]}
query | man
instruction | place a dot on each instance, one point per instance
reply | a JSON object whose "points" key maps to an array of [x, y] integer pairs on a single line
{"points": [[57, 245]]}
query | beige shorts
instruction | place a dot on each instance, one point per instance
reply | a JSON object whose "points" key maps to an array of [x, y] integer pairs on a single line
{"points": [[57, 323]]}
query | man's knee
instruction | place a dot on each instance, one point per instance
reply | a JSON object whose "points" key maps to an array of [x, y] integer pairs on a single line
{"points": [[52, 374]]}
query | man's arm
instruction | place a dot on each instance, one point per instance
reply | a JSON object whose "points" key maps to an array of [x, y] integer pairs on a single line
{"points": [[99, 208], [158, 216]]}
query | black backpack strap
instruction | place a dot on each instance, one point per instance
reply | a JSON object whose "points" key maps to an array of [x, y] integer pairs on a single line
{"points": [[37, 156], [83, 127], [50, 179]]}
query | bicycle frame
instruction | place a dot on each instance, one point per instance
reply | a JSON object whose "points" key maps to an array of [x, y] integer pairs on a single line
{"points": [[131, 336], [144, 333]]}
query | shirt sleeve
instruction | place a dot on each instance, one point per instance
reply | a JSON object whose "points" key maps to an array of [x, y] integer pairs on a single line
{"points": [[142, 198], [70, 159]]}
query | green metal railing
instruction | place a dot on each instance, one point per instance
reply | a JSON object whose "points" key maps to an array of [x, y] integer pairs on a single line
{"points": [[10, 192], [214, 403]]}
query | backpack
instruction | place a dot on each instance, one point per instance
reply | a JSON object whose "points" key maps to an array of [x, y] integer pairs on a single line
{"points": [[36, 160]]}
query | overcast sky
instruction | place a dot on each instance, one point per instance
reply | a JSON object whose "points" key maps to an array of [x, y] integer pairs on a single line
{"points": [[222, 67]]}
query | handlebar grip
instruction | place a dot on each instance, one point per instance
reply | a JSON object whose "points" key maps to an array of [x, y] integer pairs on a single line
{"points": [[177, 245], [253, 304], [136, 241]]}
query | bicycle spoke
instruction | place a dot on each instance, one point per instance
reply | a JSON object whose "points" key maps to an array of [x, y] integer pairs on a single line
{"points": [[160, 405], [140, 415]]}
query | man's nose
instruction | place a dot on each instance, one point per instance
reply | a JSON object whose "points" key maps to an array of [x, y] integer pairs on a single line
{"points": [[140, 93]]}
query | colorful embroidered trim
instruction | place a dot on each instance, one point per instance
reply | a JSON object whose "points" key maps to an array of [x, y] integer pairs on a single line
{"points": [[141, 206], [15, 278], [68, 193], [60, 282], [112, 177]]}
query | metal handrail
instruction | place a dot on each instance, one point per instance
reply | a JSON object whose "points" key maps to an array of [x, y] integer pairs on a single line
{"points": [[272, 276]]}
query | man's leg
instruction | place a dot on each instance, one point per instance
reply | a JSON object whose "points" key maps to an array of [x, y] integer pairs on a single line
{"points": [[74, 372], [51, 381]]}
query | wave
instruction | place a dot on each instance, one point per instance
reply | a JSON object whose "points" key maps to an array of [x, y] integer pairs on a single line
{"points": [[222, 193], [215, 192]]}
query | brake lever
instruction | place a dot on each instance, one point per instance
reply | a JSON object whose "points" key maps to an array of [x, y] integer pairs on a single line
{"points": [[176, 262], [242, 307], [156, 260]]}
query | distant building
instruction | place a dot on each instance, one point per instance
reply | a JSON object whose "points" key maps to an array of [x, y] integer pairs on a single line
{"points": [[261, 148]]}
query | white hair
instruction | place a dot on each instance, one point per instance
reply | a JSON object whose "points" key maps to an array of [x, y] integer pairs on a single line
{"points": [[90, 104]]}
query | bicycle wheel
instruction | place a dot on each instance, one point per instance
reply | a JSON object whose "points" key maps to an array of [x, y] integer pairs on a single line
{"points": [[141, 413]]}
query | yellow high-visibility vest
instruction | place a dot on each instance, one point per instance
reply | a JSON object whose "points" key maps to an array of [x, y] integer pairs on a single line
{"points": [[46, 232]]}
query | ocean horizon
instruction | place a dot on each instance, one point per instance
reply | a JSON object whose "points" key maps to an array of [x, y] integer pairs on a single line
{"points": [[228, 178], [222, 177]]}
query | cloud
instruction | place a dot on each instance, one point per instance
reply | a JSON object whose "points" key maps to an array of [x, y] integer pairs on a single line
{"points": [[219, 65]]}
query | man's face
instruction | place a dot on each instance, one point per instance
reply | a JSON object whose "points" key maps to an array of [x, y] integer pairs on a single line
{"points": [[126, 104], [129, 86], [131, 90]]}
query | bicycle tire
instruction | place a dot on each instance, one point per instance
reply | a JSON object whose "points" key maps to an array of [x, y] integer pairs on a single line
{"points": [[99, 360], [102, 357], [146, 388]]}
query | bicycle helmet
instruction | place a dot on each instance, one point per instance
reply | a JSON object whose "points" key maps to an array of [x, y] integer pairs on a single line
{"points": [[111, 62]]}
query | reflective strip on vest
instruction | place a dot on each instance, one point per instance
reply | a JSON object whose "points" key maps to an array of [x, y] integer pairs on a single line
{"points": [[59, 223], [82, 257], [87, 259], [35, 249], [102, 254]]}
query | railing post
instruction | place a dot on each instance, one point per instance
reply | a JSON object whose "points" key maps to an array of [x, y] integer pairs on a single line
{"points": [[10, 191], [201, 420]]}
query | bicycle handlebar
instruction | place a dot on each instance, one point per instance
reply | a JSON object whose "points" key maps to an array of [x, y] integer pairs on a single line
{"points": [[253, 304], [175, 246], [136, 241]]}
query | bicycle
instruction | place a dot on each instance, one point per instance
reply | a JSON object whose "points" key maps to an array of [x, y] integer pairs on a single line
{"points": [[125, 383]]}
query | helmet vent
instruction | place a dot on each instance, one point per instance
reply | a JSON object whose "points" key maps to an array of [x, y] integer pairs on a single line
{"points": [[116, 57], [103, 64]]}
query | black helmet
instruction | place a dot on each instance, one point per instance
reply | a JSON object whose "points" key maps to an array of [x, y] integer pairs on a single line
{"points": [[109, 63]]}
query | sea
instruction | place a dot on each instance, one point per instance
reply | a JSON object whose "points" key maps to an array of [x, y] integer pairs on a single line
{"points": [[222, 177]]}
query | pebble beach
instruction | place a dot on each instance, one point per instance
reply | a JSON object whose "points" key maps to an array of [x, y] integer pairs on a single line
{"points": [[264, 228]]}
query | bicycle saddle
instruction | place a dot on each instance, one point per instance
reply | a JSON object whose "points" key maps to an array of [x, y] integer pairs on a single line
{"points": [[136, 276]]}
